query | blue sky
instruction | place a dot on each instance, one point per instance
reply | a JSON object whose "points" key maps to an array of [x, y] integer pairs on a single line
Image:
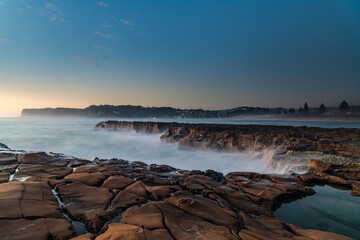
{"points": [[208, 54]]}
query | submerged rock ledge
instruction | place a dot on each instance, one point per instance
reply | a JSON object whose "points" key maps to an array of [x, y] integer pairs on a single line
{"points": [[340, 141], [50, 196]]}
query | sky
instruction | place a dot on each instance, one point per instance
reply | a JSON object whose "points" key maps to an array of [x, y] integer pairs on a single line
{"points": [[211, 54]]}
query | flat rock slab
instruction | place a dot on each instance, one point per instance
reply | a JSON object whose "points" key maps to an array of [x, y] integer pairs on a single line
{"points": [[22, 201], [7, 158], [117, 182], [27, 200], [39, 229], [4, 177], [80, 198]]}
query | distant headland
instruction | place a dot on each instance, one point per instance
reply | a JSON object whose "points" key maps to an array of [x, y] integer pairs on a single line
{"points": [[343, 111]]}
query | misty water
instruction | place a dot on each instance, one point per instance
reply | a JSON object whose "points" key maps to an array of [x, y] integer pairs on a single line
{"points": [[331, 209], [77, 137]]}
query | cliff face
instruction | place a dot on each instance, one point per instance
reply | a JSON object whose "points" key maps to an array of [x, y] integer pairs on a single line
{"points": [[340, 141]]}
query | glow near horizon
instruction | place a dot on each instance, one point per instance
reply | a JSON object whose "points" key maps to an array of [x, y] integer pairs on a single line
{"points": [[204, 54]]}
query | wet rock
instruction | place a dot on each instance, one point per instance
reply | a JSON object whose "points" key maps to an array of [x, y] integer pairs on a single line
{"points": [[88, 236], [36, 158], [80, 198], [8, 168], [39, 229], [41, 171], [160, 168], [319, 165], [259, 227], [117, 182], [347, 174], [355, 188], [28, 200], [134, 194], [217, 176], [4, 147], [4, 177], [183, 225], [29, 210], [91, 179], [146, 216], [95, 219], [120, 231], [7, 158], [205, 209]]}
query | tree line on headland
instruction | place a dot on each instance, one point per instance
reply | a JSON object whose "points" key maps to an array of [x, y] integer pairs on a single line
{"points": [[130, 111]]}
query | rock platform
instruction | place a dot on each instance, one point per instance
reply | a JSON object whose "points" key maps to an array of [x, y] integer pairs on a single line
{"points": [[228, 137], [50, 196]]}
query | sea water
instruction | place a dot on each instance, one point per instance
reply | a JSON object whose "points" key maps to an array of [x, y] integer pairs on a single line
{"points": [[77, 137], [331, 209]]}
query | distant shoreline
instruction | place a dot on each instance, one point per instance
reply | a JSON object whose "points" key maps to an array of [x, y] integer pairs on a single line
{"points": [[303, 118], [247, 118], [130, 111]]}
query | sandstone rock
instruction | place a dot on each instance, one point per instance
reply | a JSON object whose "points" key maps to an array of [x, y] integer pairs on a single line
{"points": [[39, 229], [117, 182], [42, 171], [91, 179], [205, 209], [35, 202], [4, 177], [126, 199], [182, 225], [80, 198], [27, 200], [11, 168], [35, 158], [7, 158], [272, 228], [344, 174], [319, 165], [355, 188], [147, 216], [87, 236], [120, 231], [95, 219]]}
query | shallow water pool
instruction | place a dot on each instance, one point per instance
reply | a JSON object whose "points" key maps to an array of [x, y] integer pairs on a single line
{"points": [[330, 209]]}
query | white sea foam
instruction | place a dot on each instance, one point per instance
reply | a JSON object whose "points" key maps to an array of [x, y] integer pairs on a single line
{"points": [[78, 138]]}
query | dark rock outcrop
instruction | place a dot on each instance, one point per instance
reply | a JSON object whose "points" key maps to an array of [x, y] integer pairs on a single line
{"points": [[347, 174], [340, 141]]}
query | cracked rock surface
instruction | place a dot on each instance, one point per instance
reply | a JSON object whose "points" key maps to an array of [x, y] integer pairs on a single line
{"points": [[49, 196]]}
